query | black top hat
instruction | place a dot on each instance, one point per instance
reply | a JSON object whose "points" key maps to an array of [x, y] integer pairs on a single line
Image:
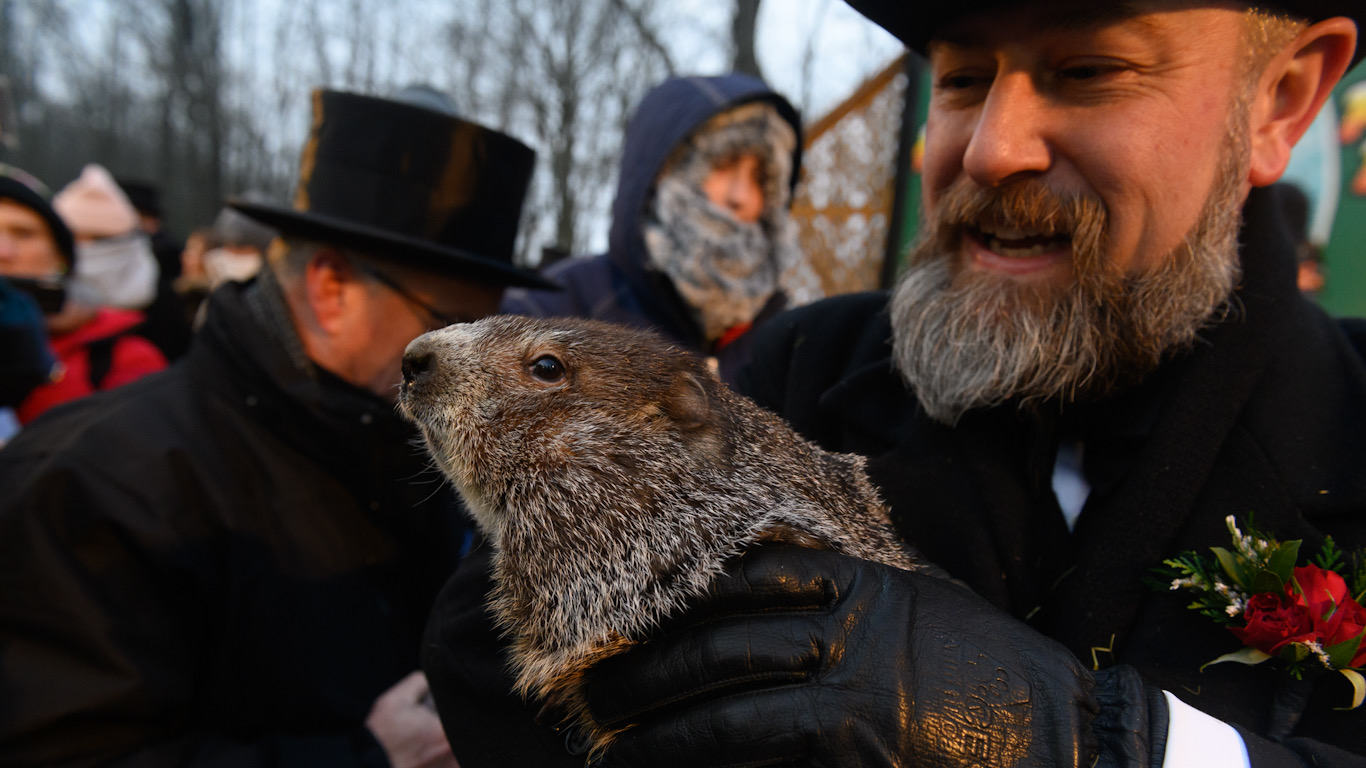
{"points": [[410, 184], [917, 21]]}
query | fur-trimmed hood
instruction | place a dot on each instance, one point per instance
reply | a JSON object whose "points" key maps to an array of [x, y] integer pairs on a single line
{"points": [[665, 117]]}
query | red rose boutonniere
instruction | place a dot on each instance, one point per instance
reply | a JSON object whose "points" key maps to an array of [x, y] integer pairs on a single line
{"points": [[1303, 616]]}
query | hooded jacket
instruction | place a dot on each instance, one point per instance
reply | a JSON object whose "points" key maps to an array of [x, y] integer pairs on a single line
{"points": [[620, 286]]}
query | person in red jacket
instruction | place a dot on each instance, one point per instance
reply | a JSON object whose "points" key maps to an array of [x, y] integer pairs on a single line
{"points": [[93, 344]]}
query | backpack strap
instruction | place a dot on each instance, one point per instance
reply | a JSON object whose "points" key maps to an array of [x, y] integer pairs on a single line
{"points": [[100, 358]]}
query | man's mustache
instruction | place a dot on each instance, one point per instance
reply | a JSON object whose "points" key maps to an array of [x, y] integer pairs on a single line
{"points": [[1029, 206]]}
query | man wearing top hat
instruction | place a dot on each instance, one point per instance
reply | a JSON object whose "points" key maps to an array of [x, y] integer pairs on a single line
{"points": [[1096, 354], [232, 562]]}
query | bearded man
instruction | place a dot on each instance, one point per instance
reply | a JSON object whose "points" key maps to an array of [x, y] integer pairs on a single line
{"points": [[1096, 355]]}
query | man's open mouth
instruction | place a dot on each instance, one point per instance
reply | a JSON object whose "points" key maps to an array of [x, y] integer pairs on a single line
{"points": [[1017, 243]]}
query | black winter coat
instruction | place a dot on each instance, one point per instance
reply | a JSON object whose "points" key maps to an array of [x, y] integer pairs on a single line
{"points": [[225, 563], [1266, 416]]}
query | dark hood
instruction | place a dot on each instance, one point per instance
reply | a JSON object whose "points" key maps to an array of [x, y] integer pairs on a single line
{"points": [[665, 116]]}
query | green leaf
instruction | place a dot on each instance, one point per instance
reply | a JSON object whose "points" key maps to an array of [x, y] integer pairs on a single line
{"points": [[1341, 654], [1282, 561], [1358, 687], [1249, 656], [1266, 581], [1231, 566], [1329, 557], [1294, 652]]}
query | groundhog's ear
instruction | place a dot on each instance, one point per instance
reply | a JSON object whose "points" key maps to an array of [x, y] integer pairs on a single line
{"points": [[688, 402]]}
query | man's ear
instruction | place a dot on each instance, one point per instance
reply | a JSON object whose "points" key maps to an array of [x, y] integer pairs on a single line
{"points": [[327, 278], [1292, 89]]}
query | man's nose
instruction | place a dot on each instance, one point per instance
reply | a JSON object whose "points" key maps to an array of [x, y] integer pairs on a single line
{"points": [[1009, 140]]}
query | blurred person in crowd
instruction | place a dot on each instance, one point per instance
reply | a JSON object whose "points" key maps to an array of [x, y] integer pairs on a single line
{"points": [[117, 266], [233, 248], [192, 285], [1102, 295], [115, 255], [240, 247], [26, 358], [1294, 202], [701, 246], [166, 325], [97, 348], [231, 563], [146, 200]]}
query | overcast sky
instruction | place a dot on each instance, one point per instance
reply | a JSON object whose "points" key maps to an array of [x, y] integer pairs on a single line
{"points": [[849, 48]]}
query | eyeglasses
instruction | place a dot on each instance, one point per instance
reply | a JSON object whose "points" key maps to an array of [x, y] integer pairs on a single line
{"points": [[407, 295]]}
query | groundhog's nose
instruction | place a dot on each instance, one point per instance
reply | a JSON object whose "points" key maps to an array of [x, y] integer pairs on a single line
{"points": [[417, 361]]}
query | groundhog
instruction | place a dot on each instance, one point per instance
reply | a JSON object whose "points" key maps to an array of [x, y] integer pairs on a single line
{"points": [[613, 473]]}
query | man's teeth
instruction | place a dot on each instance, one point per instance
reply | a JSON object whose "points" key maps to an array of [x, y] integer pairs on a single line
{"points": [[1014, 252], [1009, 234], [1019, 244]]}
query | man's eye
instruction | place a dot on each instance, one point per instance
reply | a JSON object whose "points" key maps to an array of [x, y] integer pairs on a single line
{"points": [[960, 81], [1088, 71], [726, 163], [1080, 73]]}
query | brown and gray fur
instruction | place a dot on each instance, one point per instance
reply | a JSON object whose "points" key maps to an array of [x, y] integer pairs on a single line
{"points": [[614, 495]]}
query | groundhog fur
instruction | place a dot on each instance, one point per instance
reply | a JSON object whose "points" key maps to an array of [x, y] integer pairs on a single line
{"points": [[614, 474]]}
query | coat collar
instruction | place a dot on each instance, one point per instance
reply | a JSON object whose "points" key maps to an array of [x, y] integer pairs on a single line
{"points": [[358, 437]]}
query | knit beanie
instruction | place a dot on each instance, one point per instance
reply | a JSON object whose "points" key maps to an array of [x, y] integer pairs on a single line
{"points": [[24, 189], [95, 206]]}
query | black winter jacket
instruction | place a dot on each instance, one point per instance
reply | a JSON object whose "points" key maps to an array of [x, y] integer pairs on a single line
{"points": [[225, 563]]}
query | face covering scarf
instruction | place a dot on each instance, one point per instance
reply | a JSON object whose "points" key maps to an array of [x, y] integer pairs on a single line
{"points": [[725, 270], [117, 271]]}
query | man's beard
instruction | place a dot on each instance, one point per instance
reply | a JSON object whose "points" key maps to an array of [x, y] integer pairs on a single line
{"points": [[965, 340]]}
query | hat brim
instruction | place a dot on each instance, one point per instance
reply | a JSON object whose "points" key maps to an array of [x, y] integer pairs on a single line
{"points": [[916, 24], [413, 251]]}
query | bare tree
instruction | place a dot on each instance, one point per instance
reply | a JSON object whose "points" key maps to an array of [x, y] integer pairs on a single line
{"points": [[648, 36], [211, 99], [743, 31], [183, 44], [809, 51], [563, 77]]}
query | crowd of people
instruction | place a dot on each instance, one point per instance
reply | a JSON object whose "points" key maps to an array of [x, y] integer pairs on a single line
{"points": [[221, 545]]}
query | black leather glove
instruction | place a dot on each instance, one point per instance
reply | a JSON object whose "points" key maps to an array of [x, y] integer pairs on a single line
{"points": [[801, 657]]}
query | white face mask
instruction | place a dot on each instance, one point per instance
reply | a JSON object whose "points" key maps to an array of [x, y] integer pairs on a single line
{"points": [[725, 269], [222, 265], [118, 271]]}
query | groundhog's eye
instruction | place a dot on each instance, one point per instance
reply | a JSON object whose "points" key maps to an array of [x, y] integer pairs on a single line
{"points": [[547, 368]]}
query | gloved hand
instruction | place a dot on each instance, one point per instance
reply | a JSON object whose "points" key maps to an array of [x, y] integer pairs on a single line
{"points": [[803, 657]]}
